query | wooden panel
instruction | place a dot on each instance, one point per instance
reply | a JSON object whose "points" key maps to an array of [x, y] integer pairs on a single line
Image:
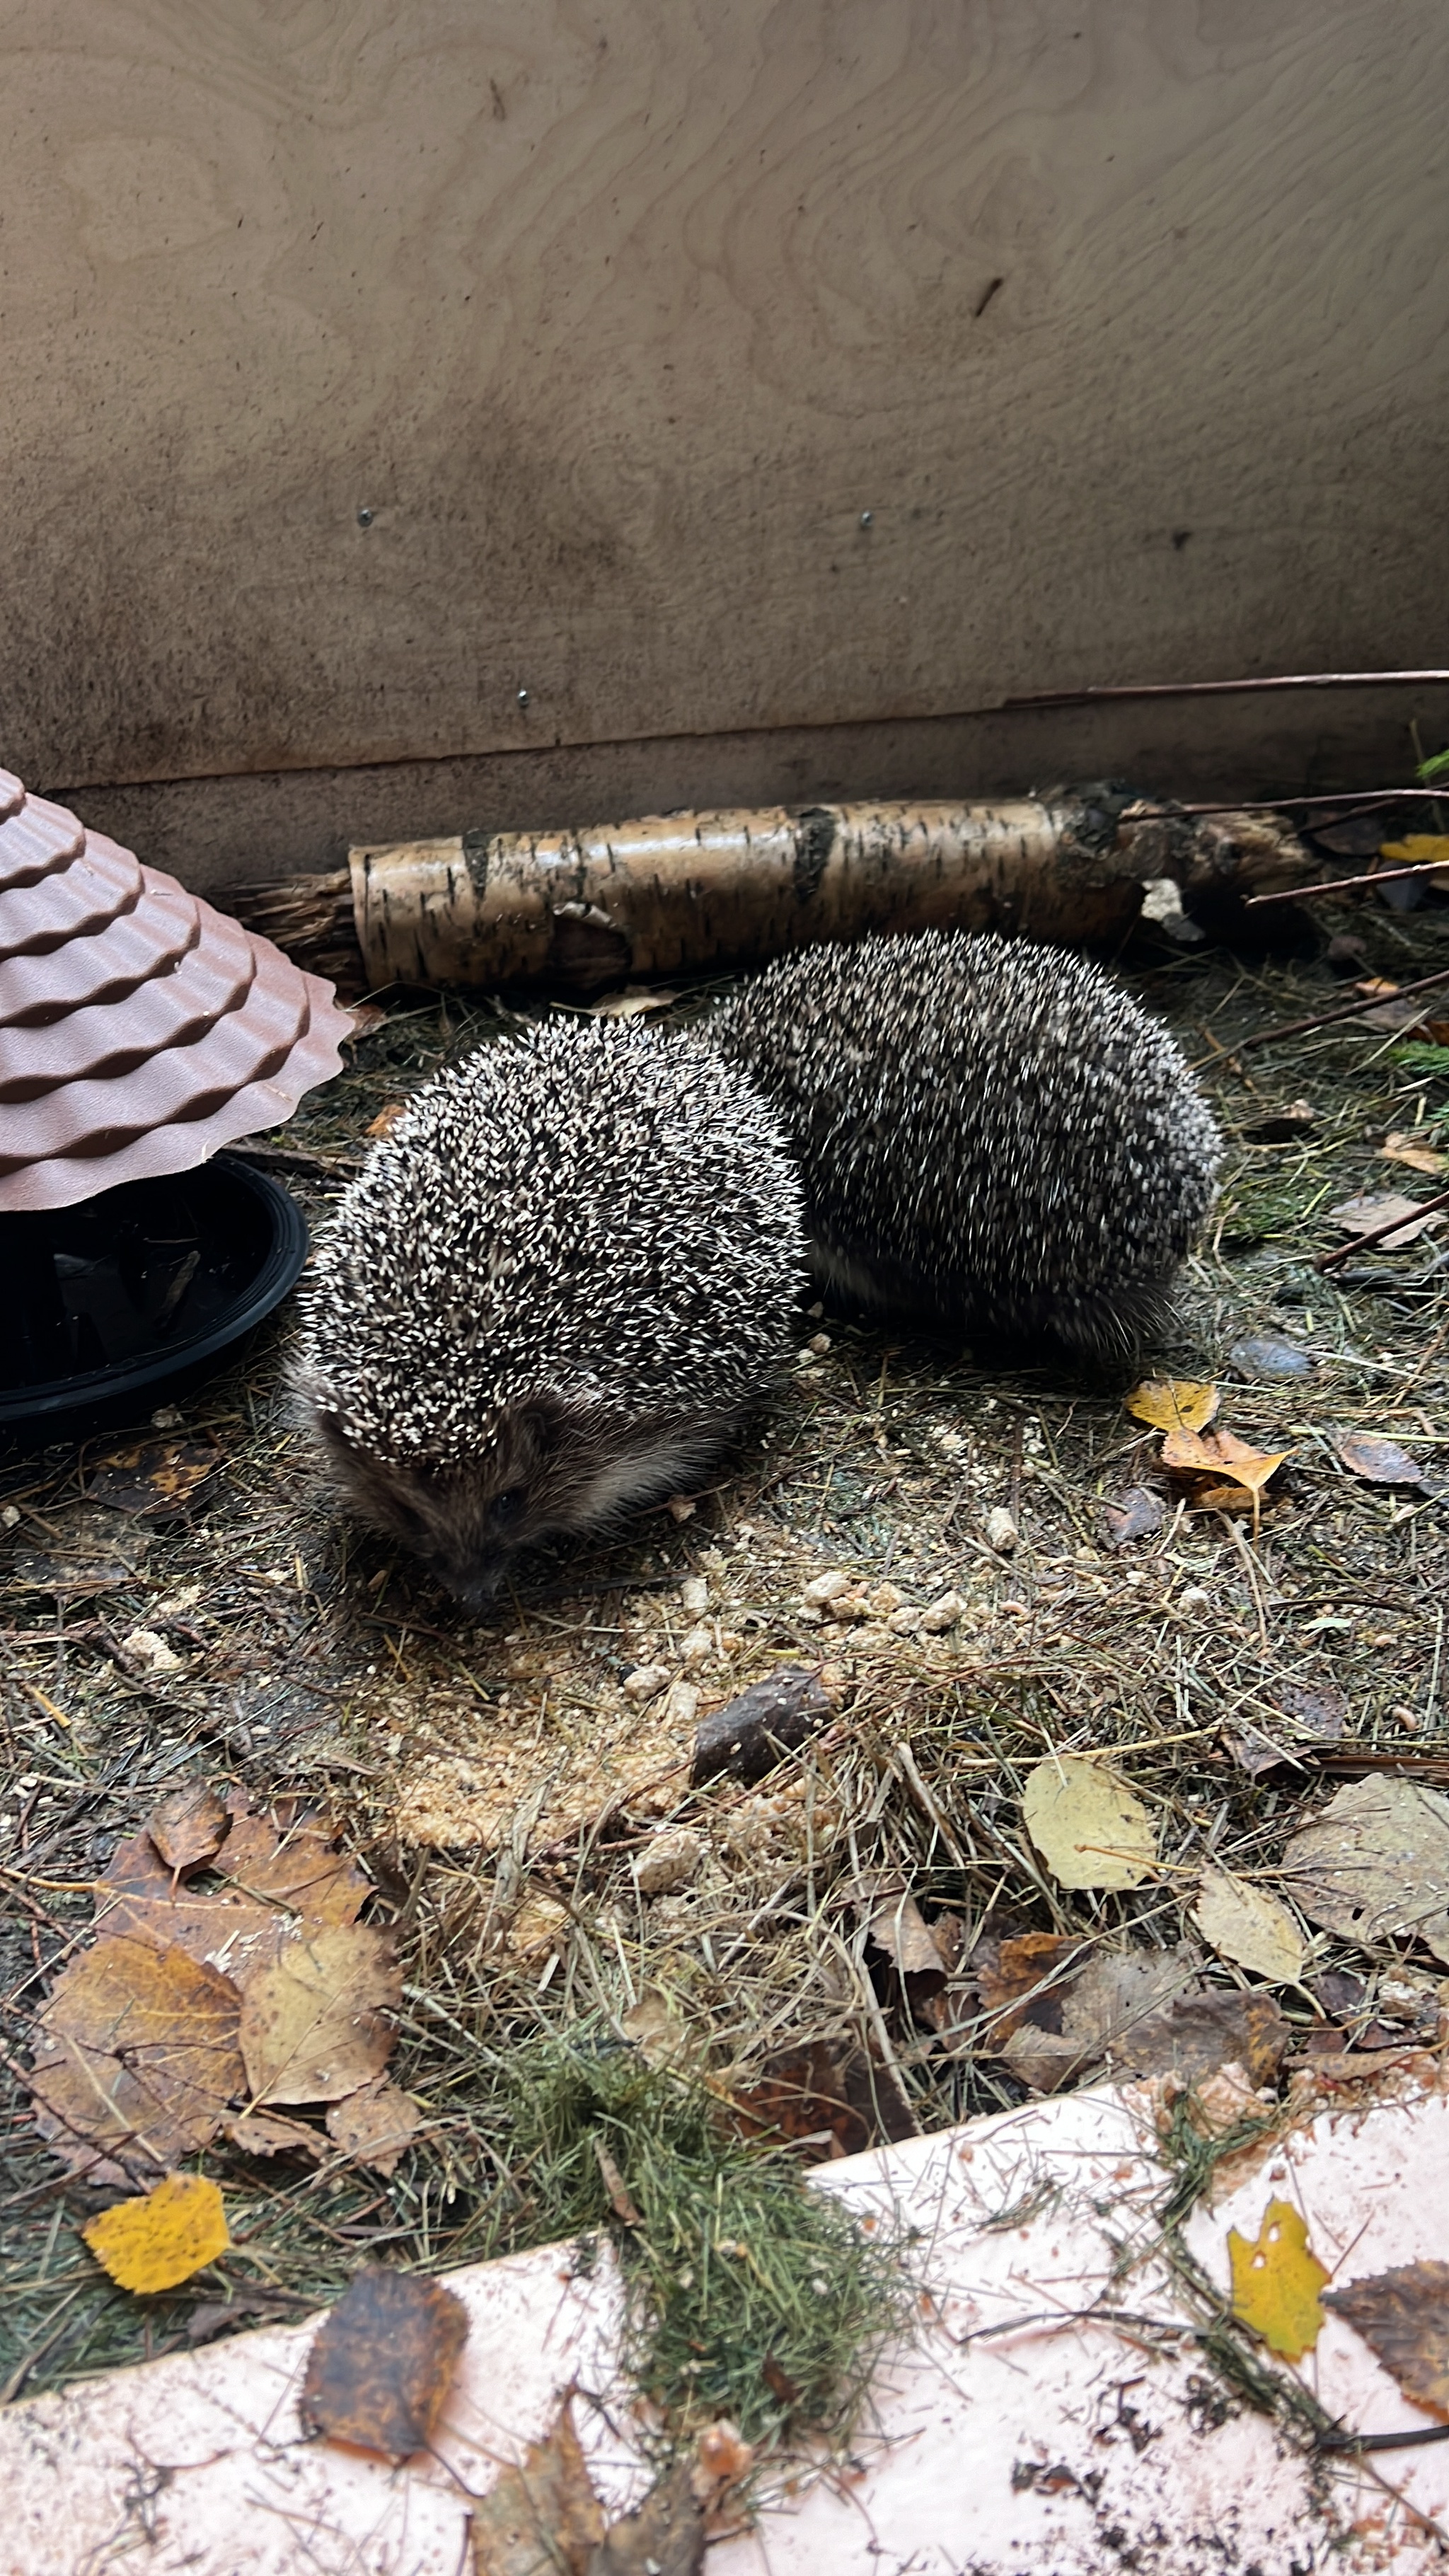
{"points": [[1124, 321]]}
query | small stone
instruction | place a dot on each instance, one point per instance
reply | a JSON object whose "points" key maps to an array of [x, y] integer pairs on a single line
{"points": [[680, 1508], [904, 1623], [682, 1706], [669, 1860], [885, 1598], [10, 1517], [1000, 1530], [825, 1587], [646, 1681], [167, 1417], [1194, 1598], [698, 1646], [819, 1343], [942, 1614], [694, 1594], [151, 1652]]}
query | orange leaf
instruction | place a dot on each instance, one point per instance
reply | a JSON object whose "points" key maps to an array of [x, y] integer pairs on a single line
{"points": [[153, 2243], [1276, 2281]]}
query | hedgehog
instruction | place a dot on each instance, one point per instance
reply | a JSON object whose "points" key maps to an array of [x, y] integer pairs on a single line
{"points": [[563, 1283], [992, 1135]]}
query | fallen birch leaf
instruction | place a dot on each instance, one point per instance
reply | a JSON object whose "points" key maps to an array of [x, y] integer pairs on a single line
{"points": [[1365, 1214], [1403, 2317], [1403, 1148], [189, 1827], [1093, 2015], [1375, 1864], [270, 2133], [137, 2063], [1276, 2282], [802, 2096], [301, 1869], [1417, 850], [1173, 1403], [1219, 1453], [374, 2125], [664, 2536], [152, 2244], [1243, 1923], [901, 1930], [1024, 1970], [382, 2363], [312, 2025], [1090, 1828], [155, 1479], [541, 2518], [1377, 1461], [386, 1119]]}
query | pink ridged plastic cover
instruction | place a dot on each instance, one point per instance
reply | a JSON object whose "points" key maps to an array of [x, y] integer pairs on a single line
{"points": [[139, 1029]]}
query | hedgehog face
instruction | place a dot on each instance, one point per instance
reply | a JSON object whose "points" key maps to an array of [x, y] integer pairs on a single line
{"points": [[553, 1464]]}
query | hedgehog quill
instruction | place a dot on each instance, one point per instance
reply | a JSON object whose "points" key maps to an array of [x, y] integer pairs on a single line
{"points": [[566, 1279]]}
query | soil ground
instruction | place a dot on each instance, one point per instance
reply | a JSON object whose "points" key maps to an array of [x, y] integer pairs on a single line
{"points": [[501, 1784]]}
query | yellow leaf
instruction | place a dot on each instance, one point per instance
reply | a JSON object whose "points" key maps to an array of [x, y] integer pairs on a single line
{"points": [[1418, 849], [1276, 2281], [153, 2243], [1090, 1828], [1173, 1403], [1248, 1926]]}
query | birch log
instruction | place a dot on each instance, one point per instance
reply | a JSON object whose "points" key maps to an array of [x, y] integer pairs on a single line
{"points": [[669, 894]]}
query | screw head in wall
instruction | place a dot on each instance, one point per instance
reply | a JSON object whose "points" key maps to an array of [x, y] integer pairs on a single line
{"points": [[364, 517], [867, 518], [523, 697]]}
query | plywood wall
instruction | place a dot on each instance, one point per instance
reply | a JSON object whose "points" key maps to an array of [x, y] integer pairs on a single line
{"points": [[701, 366]]}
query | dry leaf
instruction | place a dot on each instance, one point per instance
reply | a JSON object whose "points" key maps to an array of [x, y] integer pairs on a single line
{"points": [[1364, 1215], [1276, 2281], [1090, 1828], [802, 2096], [1403, 1148], [1375, 1864], [1136, 1515], [1173, 1403], [312, 2025], [543, 2517], [655, 2029], [664, 2536], [1245, 1924], [1073, 2026], [900, 1929], [386, 1119], [189, 1827], [1023, 1972], [303, 1870], [383, 2362], [138, 1899], [1403, 2317], [1201, 2033], [157, 1479], [270, 2133], [374, 2125], [1377, 1461], [137, 2062], [152, 2244], [1221, 1454]]}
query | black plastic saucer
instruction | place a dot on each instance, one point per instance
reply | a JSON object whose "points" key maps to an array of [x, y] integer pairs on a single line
{"points": [[110, 1307]]}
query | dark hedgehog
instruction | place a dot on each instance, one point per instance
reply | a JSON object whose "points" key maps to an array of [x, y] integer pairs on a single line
{"points": [[562, 1284], [990, 1134]]}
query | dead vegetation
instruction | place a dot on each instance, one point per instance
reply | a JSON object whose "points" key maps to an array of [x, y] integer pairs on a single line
{"points": [[989, 1569]]}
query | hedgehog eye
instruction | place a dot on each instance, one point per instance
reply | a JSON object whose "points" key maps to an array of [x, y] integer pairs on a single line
{"points": [[505, 1508]]}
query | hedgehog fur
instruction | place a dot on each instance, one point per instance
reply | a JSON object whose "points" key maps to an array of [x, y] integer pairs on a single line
{"points": [[561, 1284], [991, 1134]]}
